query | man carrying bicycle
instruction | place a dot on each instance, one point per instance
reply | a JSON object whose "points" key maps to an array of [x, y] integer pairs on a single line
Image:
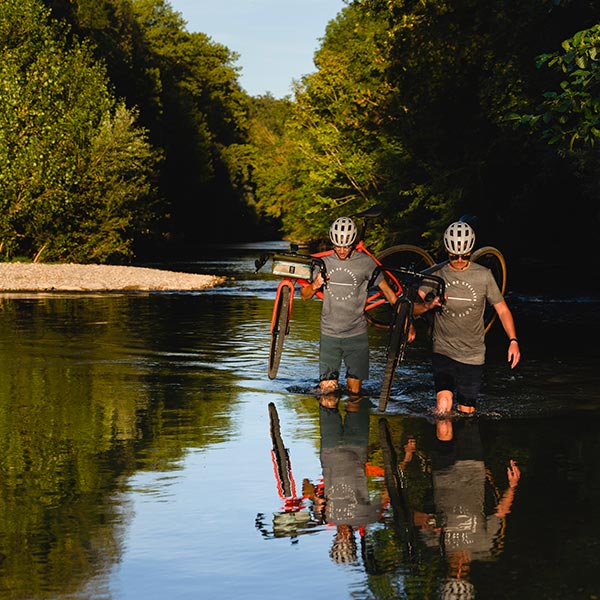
{"points": [[458, 330], [344, 337]]}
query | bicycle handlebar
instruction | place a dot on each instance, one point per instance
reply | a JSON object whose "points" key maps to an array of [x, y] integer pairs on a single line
{"points": [[408, 276]]}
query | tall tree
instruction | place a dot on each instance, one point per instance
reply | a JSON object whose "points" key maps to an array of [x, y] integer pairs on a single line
{"points": [[185, 87], [75, 168]]}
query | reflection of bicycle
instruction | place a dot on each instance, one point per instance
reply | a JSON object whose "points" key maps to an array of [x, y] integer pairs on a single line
{"points": [[403, 266], [294, 519]]}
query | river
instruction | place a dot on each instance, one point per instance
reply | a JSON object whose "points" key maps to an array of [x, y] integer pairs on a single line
{"points": [[138, 455]]}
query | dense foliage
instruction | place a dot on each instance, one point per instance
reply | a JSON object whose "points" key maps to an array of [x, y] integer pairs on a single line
{"points": [[123, 134], [75, 168], [412, 106]]}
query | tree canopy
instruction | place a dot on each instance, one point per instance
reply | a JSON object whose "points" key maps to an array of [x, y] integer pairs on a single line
{"points": [[75, 168], [124, 135]]}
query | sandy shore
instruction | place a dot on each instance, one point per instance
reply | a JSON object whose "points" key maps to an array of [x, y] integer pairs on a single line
{"points": [[29, 277]]}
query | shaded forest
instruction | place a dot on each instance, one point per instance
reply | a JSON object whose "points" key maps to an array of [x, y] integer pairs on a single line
{"points": [[124, 137]]}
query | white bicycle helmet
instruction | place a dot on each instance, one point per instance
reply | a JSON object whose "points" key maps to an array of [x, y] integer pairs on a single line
{"points": [[459, 238], [457, 589], [343, 232]]}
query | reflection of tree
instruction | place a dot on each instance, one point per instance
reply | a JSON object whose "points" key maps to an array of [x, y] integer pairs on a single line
{"points": [[85, 399]]}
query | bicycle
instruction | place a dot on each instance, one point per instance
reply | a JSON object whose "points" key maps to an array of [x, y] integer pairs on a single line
{"points": [[402, 319], [293, 267]]}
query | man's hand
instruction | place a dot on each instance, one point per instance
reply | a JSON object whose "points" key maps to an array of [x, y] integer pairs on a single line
{"points": [[513, 473], [429, 303]]}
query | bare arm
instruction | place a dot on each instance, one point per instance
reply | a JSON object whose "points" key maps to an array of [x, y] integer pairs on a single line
{"points": [[508, 323], [308, 291], [514, 474], [388, 292]]}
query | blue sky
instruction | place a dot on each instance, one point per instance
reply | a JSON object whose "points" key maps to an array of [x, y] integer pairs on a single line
{"points": [[276, 39]]}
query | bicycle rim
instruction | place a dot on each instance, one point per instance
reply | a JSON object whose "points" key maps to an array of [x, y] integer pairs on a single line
{"points": [[280, 330], [491, 258], [404, 255], [396, 349]]}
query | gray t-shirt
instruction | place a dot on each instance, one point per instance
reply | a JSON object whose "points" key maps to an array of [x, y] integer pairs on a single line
{"points": [[458, 330], [459, 495], [345, 294]]}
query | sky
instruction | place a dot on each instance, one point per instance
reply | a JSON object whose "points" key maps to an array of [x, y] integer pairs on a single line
{"points": [[275, 39]]}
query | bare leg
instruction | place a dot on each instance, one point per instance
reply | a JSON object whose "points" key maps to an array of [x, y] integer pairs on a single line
{"points": [[443, 402], [353, 385], [465, 409], [443, 430], [328, 385]]}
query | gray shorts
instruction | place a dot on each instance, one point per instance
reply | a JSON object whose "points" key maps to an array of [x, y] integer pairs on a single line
{"points": [[352, 351]]}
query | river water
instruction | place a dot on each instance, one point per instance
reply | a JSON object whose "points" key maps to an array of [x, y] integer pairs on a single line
{"points": [[138, 458]]}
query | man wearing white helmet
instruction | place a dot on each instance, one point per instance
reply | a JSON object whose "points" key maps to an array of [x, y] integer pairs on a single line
{"points": [[458, 330], [344, 335]]}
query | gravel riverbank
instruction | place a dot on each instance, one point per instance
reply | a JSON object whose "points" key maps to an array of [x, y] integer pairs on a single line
{"points": [[38, 277]]}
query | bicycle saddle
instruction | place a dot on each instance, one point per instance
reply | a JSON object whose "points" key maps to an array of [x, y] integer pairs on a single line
{"points": [[370, 213]]}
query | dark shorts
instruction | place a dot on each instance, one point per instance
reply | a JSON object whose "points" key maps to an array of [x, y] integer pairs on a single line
{"points": [[463, 380], [352, 351]]}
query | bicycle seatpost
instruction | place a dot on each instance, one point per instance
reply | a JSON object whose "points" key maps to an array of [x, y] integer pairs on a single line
{"points": [[370, 213]]}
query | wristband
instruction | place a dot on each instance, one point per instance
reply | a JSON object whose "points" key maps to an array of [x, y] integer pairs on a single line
{"points": [[513, 340]]}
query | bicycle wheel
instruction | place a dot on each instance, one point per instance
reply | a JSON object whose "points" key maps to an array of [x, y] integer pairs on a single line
{"points": [[404, 255], [279, 329], [492, 258], [395, 482], [280, 453], [396, 349]]}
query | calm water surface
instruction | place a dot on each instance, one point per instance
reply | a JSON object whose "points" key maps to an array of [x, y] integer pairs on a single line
{"points": [[137, 457]]}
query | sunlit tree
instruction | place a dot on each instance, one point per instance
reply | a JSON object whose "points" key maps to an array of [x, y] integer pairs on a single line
{"points": [[74, 168]]}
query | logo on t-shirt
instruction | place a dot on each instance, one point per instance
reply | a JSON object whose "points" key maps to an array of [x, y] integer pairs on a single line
{"points": [[462, 298], [342, 283]]}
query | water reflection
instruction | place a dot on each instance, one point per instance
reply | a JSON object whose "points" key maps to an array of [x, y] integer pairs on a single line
{"points": [[347, 503], [414, 519], [299, 514], [137, 453], [468, 522]]}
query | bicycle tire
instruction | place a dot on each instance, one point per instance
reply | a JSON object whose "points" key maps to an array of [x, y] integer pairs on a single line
{"points": [[492, 258], [280, 329], [395, 482], [403, 255], [396, 349], [280, 452]]}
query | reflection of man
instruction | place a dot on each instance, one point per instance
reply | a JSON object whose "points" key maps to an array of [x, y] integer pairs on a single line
{"points": [[343, 458], [468, 518]]}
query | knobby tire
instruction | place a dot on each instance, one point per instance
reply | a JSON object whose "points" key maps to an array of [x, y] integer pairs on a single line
{"points": [[280, 452], [397, 489], [279, 330], [396, 348]]}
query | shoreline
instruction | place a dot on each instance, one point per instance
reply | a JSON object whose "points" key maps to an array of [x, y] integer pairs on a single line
{"points": [[70, 277]]}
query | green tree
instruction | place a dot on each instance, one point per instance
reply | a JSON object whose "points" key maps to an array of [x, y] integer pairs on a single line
{"points": [[73, 165], [407, 108], [570, 116], [186, 91]]}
